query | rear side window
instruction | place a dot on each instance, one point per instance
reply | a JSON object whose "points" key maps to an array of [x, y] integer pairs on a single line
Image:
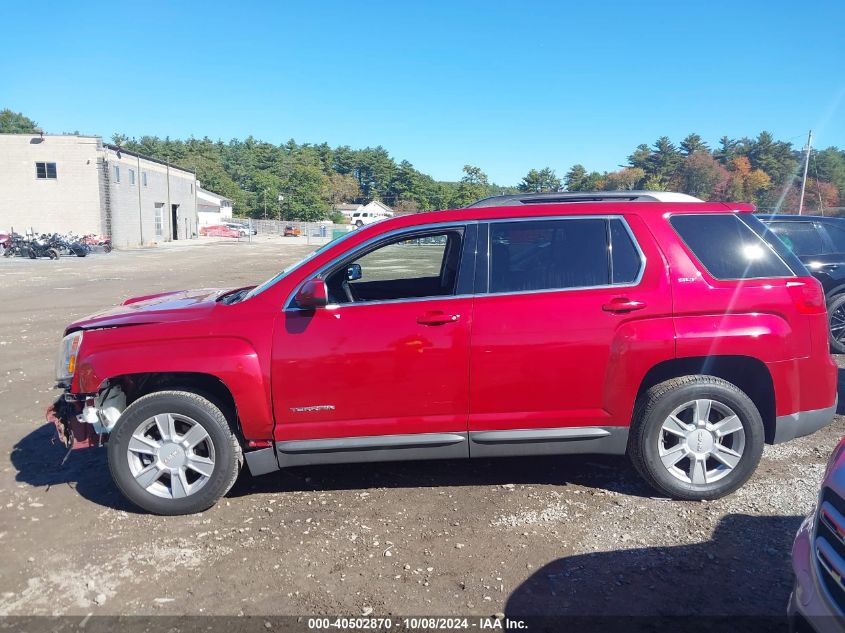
{"points": [[729, 249], [802, 238], [560, 254], [625, 258], [837, 236]]}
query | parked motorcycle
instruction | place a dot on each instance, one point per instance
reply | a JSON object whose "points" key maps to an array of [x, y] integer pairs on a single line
{"points": [[68, 244], [14, 245], [40, 247]]}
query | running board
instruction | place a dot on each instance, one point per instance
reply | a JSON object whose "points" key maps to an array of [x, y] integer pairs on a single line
{"points": [[606, 440]]}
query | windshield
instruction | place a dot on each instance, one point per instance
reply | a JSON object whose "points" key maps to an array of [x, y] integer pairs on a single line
{"points": [[259, 289]]}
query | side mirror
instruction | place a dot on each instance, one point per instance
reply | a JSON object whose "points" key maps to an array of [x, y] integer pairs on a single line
{"points": [[313, 294], [353, 272]]}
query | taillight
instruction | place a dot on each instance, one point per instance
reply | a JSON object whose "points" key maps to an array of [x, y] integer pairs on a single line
{"points": [[807, 295]]}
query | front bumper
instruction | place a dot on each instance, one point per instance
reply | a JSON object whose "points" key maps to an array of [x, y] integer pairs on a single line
{"points": [[72, 432], [789, 427], [808, 600]]}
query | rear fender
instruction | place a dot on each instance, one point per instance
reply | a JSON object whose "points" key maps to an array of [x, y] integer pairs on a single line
{"points": [[766, 337]]}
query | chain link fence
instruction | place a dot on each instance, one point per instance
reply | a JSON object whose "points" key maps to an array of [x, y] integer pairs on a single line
{"points": [[298, 232]]}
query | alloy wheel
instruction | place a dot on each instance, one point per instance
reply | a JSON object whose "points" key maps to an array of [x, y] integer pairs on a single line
{"points": [[171, 456], [837, 323], [701, 441]]}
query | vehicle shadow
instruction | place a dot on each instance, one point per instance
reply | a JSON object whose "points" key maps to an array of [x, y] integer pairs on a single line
{"points": [[38, 460], [740, 580], [612, 473]]}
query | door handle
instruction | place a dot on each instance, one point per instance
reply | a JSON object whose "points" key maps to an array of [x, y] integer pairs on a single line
{"points": [[623, 304], [437, 318]]}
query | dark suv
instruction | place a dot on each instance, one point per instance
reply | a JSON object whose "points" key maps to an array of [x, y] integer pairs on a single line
{"points": [[819, 242]]}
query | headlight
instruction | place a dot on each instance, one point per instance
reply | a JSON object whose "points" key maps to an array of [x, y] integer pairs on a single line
{"points": [[68, 351]]}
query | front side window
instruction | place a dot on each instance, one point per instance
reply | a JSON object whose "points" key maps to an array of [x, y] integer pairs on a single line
{"points": [[802, 238], [411, 266], [560, 254], [729, 248], [45, 171]]}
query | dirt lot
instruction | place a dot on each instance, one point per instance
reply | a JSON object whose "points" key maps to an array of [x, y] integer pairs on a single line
{"points": [[520, 536]]}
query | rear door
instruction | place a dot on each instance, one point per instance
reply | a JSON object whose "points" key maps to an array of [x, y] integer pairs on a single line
{"points": [[568, 325]]}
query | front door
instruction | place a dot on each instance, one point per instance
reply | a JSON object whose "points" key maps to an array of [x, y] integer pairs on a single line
{"points": [[382, 372], [571, 317]]}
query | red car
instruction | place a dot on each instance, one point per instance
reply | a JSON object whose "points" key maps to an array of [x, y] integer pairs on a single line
{"points": [[219, 230], [678, 332]]}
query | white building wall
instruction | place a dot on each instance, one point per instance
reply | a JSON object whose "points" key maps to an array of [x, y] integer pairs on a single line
{"points": [[134, 205], [70, 202]]}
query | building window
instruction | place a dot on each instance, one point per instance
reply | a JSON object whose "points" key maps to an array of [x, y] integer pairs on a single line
{"points": [[117, 173], [45, 170], [159, 219], [131, 176], [144, 178]]}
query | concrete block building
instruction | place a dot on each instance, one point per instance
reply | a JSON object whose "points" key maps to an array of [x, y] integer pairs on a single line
{"points": [[69, 183]]}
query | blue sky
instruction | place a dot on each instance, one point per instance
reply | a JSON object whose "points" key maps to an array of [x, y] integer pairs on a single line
{"points": [[507, 86]]}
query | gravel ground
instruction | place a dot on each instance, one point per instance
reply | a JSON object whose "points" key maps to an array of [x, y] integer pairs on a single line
{"points": [[578, 535]]}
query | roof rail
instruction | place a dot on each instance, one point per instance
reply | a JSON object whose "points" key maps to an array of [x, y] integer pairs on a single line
{"points": [[555, 197]]}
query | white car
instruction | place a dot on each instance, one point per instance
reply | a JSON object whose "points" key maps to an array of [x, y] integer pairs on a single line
{"points": [[243, 229], [362, 218]]}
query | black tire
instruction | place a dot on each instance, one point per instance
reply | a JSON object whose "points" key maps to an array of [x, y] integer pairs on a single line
{"points": [[647, 434], [106, 248], [31, 253], [53, 253], [359, 224], [836, 324], [227, 451]]}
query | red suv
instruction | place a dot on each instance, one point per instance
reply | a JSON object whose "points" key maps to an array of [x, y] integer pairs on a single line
{"points": [[678, 332]]}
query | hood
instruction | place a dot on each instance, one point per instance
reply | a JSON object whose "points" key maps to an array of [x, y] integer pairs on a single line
{"points": [[181, 305]]}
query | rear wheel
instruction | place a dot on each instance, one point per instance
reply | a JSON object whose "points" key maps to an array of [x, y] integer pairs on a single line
{"points": [[836, 324], [53, 253], [696, 437], [173, 452], [106, 248]]}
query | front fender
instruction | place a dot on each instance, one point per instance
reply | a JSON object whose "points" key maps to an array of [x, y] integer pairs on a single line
{"points": [[235, 362]]}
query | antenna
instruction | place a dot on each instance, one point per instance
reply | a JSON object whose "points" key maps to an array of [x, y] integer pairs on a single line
{"points": [[804, 178]]}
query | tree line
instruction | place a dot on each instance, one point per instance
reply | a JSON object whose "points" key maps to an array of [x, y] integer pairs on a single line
{"points": [[305, 181]]}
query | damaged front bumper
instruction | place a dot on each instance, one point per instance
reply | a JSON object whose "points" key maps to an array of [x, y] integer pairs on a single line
{"points": [[65, 415], [85, 420]]}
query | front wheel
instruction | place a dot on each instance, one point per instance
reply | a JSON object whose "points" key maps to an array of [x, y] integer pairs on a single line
{"points": [[696, 437], [173, 452]]}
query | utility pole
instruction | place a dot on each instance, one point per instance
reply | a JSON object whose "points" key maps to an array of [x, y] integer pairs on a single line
{"points": [[804, 178]]}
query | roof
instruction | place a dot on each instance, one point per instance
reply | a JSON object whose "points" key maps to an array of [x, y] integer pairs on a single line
{"points": [[582, 196], [379, 203], [539, 211], [117, 148], [220, 198], [347, 207]]}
